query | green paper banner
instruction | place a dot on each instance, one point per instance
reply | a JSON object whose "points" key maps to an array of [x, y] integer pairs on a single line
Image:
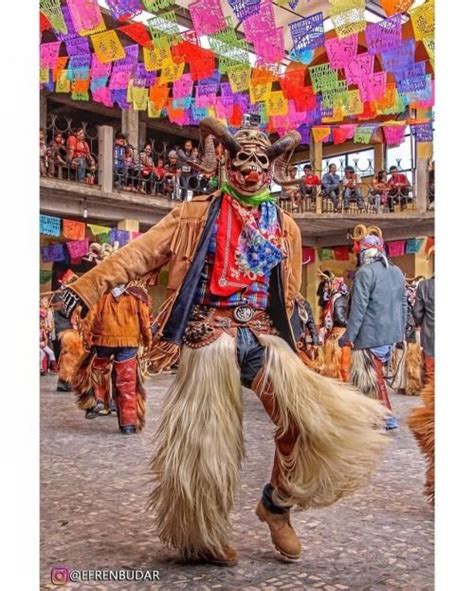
{"points": [[45, 276], [325, 254]]}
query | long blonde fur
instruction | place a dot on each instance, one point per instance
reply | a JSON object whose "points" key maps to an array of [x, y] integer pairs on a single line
{"points": [[72, 350], [199, 450], [332, 357], [413, 364], [363, 374], [339, 439]]}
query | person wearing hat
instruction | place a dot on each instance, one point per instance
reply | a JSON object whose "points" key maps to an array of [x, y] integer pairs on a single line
{"points": [[377, 317]]}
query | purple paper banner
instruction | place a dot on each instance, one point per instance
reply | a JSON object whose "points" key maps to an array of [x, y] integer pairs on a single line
{"points": [[399, 58], [244, 8], [308, 33], [77, 46], [119, 96], [423, 132], [385, 35], [124, 8], [120, 236], [53, 253], [414, 71]]}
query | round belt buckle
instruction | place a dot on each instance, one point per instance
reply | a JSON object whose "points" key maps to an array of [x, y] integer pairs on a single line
{"points": [[243, 313]]}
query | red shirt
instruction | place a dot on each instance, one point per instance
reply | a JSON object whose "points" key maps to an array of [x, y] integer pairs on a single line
{"points": [[81, 149], [398, 178], [312, 180]]}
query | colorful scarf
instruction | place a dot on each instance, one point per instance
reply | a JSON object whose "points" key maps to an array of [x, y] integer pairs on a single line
{"points": [[253, 200], [246, 250]]}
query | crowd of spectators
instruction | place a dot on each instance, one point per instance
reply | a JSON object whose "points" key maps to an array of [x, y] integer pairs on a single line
{"points": [[69, 157], [173, 174], [384, 190]]}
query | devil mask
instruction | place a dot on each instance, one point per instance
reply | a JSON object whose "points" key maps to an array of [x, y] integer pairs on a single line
{"points": [[252, 161]]}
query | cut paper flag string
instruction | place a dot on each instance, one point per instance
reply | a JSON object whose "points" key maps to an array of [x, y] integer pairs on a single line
{"points": [[207, 17], [308, 33], [396, 248], [53, 253], [107, 47], [413, 245], [393, 134], [423, 20], [138, 33], [52, 10], [385, 35], [244, 8], [50, 226], [86, 16], [392, 7], [78, 248], [74, 230], [341, 52], [123, 9]]}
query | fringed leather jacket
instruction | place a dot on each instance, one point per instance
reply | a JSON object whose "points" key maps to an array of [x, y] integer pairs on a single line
{"points": [[181, 241]]}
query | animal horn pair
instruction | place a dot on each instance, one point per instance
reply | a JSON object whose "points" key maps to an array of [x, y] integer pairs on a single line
{"points": [[211, 126], [361, 231]]}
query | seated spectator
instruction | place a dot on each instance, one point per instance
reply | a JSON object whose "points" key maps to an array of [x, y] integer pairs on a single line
{"points": [[379, 189], [311, 181], [146, 169], [351, 185], [293, 192], [399, 188], [44, 154], [171, 187], [58, 153], [119, 160], [79, 155], [330, 186]]}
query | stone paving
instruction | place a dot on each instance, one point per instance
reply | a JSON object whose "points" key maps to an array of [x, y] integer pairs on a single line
{"points": [[94, 486]]}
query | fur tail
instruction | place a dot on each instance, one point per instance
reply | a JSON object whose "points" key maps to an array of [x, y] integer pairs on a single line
{"points": [[363, 374], [199, 450], [340, 430], [83, 382], [422, 423]]}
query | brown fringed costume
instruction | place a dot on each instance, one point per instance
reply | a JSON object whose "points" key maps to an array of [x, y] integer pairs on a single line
{"points": [[234, 261]]}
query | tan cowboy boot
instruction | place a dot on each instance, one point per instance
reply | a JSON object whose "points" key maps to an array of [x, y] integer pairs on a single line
{"points": [[228, 557], [284, 537]]}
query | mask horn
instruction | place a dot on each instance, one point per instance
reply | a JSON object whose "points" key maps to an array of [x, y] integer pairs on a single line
{"points": [[211, 126], [281, 151]]}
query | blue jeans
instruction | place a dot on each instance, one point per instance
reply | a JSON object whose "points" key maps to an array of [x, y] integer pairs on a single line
{"points": [[119, 353], [351, 194], [250, 354]]}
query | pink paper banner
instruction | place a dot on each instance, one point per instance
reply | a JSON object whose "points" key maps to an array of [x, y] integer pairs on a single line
{"points": [[396, 248], [270, 47], [207, 17], [260, 23], [78, 248], [86, 15], [361, 67], [183, 87], [393, 134], [49, 53], [341, 52], [373, 87]]}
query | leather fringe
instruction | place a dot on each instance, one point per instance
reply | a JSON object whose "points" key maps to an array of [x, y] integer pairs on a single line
{"points": [[83, 382]]}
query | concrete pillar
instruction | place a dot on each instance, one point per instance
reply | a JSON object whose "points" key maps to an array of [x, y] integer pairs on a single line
{"points": [[106, 157], [379, 157], [130, 126], [130, 225], [142, 137], [422, 164], [43, 117], [316, 160]]}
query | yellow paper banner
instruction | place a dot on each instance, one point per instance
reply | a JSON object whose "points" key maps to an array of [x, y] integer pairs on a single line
{"points": [[260, 92], [62, 83], [277, 103], [353, 105], [170, 72], [107, 46], [337, 115], [320, 133], [153, 112], [239, 77], [423, 20], [44, 75], [155, 57], [139, 97], [96, 229]]}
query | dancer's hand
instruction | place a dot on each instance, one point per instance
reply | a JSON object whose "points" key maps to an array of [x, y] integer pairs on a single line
{"points": [[70, 301]]}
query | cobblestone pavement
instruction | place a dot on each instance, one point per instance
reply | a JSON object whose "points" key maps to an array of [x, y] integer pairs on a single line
{"points": [[94, 486]]}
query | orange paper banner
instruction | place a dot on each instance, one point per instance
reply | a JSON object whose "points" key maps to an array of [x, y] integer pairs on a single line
{"points": [[74, 230]]}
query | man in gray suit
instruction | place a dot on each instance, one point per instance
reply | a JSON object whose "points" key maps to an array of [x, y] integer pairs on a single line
{"points": [[377, 317], [423, 313]]}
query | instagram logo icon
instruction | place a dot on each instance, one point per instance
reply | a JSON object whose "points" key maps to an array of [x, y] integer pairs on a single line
{"points": [[59, 575]]}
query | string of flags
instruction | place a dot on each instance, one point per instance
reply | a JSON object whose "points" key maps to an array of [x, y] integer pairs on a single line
{"points": [[78, 236], [206, 70], [394, 248]]}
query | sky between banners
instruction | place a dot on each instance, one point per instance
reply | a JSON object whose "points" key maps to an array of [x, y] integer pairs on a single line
{"points": [[364, 71]]}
